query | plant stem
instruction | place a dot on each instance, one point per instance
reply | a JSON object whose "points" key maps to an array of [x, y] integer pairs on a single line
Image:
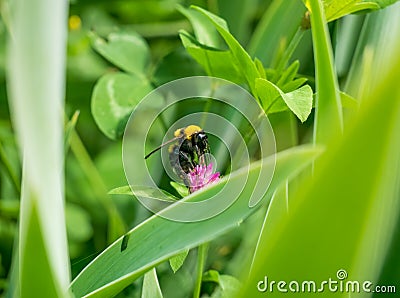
{"points": [[201, 258]]}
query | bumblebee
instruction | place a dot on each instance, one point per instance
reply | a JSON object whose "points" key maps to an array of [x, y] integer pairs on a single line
{"points": [[187, 149]]}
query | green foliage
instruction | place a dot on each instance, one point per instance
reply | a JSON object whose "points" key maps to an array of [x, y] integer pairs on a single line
{"points": [[341, 204], [122, 267], [342, 214]]}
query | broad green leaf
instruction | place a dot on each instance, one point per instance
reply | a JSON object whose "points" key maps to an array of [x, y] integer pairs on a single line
{"points": [[240, 57], [274, 100], [216, 63], [177, 261], [126, 50], [328, 108], [151, 287], [344, 217], [162, 238], [36, 91], [113, 99], [204, 31]]}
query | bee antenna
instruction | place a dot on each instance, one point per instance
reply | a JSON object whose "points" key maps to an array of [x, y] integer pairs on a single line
{"points": [[159, 147]]}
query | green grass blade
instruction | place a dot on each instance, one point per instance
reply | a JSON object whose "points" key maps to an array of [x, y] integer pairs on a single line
{"points": [[35, 76], [328, 108], [374, 50], [157, 239], [344, 217]]}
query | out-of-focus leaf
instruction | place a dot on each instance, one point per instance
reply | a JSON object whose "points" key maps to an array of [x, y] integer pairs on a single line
{"points": [[162, 238], [239, 15], [113, 99], [352, 199], [151, 287], [240, 57], [217, 63], [126, 50], [79, 227], [177, 261], [348, 101], [9, 208], [36, 86], [375, 49], [34, 259], [275, 100]]}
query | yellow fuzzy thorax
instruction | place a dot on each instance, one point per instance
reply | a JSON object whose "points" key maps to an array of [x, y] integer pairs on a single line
{"points": [[187, 131]]}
